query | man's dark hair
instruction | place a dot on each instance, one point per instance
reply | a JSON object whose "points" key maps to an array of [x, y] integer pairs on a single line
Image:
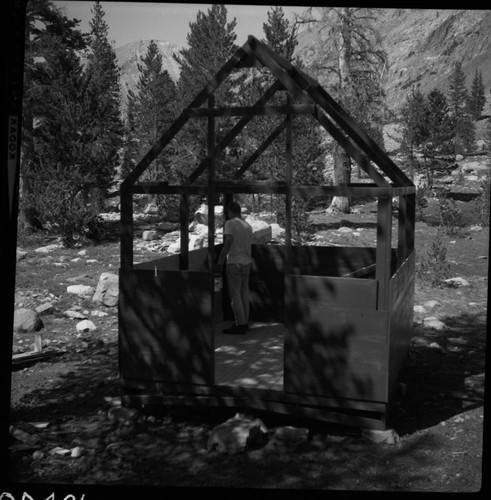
{"points": [[234, 208]]}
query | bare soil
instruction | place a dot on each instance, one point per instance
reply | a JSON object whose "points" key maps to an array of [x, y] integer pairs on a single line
{"points": [[438, 418]]}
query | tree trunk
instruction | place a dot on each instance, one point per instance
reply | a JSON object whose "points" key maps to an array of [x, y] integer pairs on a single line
{"points": [[342, 176], [342, 162]]}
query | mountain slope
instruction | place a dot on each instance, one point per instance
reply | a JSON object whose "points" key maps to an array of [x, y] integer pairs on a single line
{"points": [[422, 46]]}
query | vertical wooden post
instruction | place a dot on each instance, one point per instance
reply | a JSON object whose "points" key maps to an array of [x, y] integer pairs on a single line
{"points": [[211, 187], [410, 221], [402, 252], [383, 255], [288, 197], [184, 220], [126, 229]]}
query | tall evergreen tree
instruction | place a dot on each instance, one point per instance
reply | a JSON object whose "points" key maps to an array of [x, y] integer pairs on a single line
{"points": [[103, 124], [477, 97], [414, 130], [458, 98], [151, 110], [211, 43], [437, 129], [51, 80]]}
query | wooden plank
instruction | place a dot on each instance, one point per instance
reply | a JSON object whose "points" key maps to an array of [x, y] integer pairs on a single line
{"points": [[184, 233], [317, 293], [336, 352], [296, 109], [384, 251], [159, 338], [126, 249], [263, 187]]}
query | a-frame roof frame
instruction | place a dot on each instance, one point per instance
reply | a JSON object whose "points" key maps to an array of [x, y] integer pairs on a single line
{"points": [[304, 88]]}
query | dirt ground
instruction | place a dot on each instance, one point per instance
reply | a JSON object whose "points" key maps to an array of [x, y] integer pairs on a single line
{"points": [[438, 417]]}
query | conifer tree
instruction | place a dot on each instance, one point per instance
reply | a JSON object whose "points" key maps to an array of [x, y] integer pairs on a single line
{"points": [[151, 109], [51, 81], [103, 124], [414, 131], [211, 43], [438, 131], [463, 128], [477, 97]]}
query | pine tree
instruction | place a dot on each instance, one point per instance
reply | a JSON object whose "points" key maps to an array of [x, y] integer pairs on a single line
{"points": [[477, 97], [51, 68], [103, 124], [211, 43], [458, 98], [151, 110], [280, 35], [414, 130], [438, 131]]}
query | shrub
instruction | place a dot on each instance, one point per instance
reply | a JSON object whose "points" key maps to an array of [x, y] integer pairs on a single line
{"points": [[434, 266], [483, 201], [451, 219]]}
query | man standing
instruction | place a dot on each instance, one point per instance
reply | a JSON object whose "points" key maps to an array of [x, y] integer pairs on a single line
{"points": [[237, 240]]}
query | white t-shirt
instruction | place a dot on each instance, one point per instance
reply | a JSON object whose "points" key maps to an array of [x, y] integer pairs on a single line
{"points": [[240, 251]]}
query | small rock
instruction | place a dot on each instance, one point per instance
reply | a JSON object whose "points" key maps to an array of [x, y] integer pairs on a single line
{"points": [[58, 450], [99, 314], [431, 304], [45, 308], [435, 345], [21, 254], [344, 229], [151, 209], [37, 455], [236, 434], [91, 261], [48, 248], [26, 321], [388, 436], [456, 282], [126, 416], [432, 322], [150, 235], [81, 290], [76, 452], [74, 314], [476, 229], [107, 291], [419, 309], [85, 326], [82, 252]]}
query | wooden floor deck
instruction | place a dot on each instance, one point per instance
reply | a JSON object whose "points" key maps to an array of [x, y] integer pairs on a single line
{"points": [[253, 360]]}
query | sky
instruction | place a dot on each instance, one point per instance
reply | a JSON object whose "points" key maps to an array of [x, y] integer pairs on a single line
{"points": [[130, 21]]}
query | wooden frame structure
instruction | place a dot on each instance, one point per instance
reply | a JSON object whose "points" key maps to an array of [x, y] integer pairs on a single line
{"points": [[347, 312]]}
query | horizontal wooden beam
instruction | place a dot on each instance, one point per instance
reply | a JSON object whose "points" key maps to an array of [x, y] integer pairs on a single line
{"points": [[294, 109], [278, 187]]}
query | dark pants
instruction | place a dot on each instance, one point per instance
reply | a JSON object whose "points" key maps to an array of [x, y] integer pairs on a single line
{"points": [[238, 288]]}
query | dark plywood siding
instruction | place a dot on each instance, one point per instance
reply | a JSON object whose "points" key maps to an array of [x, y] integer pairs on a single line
{"points": [[336, 341], [166, 328], [401, 318]]}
